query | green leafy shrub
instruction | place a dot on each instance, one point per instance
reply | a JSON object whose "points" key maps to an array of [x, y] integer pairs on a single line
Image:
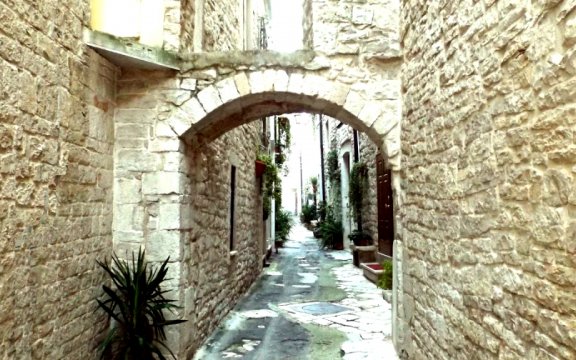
{"points": [[137, 304], [308, 214], [331, 231], [360, 238], [321, 210], [284, 223], [333, 167], [385, 278], [357, 189], [272, 185]]}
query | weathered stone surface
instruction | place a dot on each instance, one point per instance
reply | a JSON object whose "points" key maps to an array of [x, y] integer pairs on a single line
{"points": [[488, 177]]}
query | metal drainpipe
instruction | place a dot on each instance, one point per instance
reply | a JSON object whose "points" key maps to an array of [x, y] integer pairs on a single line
{"points": [[356, 159], [272, 201], [322, 160], [356, 147]]}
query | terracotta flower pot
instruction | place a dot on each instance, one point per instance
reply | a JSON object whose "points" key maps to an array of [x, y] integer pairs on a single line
{"points": [[260, 168]]}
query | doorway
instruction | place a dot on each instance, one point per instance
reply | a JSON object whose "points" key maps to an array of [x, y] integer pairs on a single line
{"points": [[385, 207]]}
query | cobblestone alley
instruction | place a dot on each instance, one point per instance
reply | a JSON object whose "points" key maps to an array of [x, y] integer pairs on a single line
{"points": [[309, 304]]}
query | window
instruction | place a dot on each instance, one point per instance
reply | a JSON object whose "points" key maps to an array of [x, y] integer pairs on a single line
{"points": [[232, 204]]}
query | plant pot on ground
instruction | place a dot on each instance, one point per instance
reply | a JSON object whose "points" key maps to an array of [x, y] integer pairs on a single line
{"points": [[360, 238], [283, 225], [278, 244], [308, 214], [332, 232]]}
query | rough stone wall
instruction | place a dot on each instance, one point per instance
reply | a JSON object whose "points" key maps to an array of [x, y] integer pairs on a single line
{"points": [[488, 179], [174, 198], [187, 14], [222, 25], [368, 152], [178, 30], [369, 28], [216, 276], [56, 106]]}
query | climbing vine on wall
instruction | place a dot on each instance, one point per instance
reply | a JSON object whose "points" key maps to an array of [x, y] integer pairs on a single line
{"points": [[333, 172], [272, 185], [332, 167], [357, 190]]}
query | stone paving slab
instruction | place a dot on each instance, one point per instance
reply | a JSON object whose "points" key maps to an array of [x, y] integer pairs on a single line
{"points": [[368, 322]]}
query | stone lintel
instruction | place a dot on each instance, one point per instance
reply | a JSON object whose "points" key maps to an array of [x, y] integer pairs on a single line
{"points": [[126, 53], [302, 59]]}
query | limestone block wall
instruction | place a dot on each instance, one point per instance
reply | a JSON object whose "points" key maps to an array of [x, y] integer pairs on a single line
{"points": [[216, 276], [369, 28], [174, 199], [341, 135], [488, 179], [56, 136], [178, 24], [368, 152], [222, 30], [187, 21]]}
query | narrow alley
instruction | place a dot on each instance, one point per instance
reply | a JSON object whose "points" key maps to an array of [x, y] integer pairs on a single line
{"points": [[308, 304]]}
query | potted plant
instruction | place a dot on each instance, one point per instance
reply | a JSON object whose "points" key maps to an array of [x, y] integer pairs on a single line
{"points": [[360, 238], [331, 231], [307, 215], [357, 190], [283, 225], [136, 304], [272, 185]]}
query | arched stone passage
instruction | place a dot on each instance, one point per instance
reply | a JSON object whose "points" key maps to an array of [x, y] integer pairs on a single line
{"points": [[161, 121], [245, 96]]}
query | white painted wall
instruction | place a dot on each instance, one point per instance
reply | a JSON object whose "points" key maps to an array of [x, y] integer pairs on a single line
{"points": [[345, 156]]}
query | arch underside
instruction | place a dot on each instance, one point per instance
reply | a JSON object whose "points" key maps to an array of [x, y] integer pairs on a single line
{"points": [[254, 106]]}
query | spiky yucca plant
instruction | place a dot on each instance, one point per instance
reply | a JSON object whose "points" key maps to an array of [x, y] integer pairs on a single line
{"points": [[136, 304]]}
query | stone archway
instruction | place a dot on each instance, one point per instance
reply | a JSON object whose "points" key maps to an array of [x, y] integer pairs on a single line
{"points": [[245, 96], [177, 113]]}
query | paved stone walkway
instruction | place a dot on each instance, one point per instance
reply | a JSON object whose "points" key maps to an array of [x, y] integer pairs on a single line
{"points": [[308, 304]]}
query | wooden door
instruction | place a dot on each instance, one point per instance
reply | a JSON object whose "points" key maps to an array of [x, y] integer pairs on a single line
{"points": [[385, 207]]}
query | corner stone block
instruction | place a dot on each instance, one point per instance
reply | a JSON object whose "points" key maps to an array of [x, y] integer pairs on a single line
{"points": [[169, 217], [180, 122], [135, 116], [163, 130], [161, 183], [166, 145], [127, 191], [128, 217], [393, 151], [242, 84], [227, 90], [281, 79], [163, 244], [209, 98], [173, 161], [137, 160]]}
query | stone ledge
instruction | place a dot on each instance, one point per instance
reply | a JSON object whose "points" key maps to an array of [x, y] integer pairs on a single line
{"points": [[368, 248], [126, 53]]}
